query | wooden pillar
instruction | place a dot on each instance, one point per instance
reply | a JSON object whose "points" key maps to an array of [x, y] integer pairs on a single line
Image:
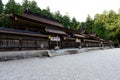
{"points": [[49, 44], [20, 44], [35, 44], [80, 44]]}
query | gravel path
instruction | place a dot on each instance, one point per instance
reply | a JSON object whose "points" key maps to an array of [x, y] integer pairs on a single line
{"points": [[93, 65]]}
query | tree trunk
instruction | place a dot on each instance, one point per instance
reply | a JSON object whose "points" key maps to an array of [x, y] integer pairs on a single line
{"points": [[118, 42]]}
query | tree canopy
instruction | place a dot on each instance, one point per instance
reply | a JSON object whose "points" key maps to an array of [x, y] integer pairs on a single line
{"points": [[1, 6], [13, 7]]}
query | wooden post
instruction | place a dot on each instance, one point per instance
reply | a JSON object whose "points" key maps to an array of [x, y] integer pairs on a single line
{"points": [[20, 44]]}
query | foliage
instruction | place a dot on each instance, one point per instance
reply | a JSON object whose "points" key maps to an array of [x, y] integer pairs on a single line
{"points": [[31, 5], [13, 7], [66, 21], [5, 20], [75, 25], [1, 6], [89, 24], [107, 26]]}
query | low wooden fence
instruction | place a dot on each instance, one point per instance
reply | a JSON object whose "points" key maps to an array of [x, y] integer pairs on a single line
{"points": [[22, 44], [28, 44]]}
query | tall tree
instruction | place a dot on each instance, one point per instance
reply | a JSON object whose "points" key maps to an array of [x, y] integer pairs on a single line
{"points": [[89, 24], [66, 21], [57, 15], [75, 25], [82, 25], [1, 6], [13, 7], [31, 5], [25, 4], [46, 12], [98, 25], [5, 20], [113, 27], [107, 25]]}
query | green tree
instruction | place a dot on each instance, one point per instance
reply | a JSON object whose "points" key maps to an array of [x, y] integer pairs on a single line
{"points": [[13, 7], [75, 25], [46, 12], [82, 25], [1, 6], [113, 27], [25, 4], [98, 25], [5, 20], [66, 21], [31, 5], [1, 11], [89, 24], [107, 26], [57, 15]]}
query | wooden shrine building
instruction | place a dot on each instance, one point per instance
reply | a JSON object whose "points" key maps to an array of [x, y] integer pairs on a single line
{"points": [[30, 31]]}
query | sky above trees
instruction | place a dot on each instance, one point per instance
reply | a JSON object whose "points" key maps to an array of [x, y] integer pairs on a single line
{"points": [[77, 8]]}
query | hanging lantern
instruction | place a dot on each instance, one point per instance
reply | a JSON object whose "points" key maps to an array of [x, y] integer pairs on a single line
{"points": [[64, 38], [16, 19], [49, 36], [76, 39]]}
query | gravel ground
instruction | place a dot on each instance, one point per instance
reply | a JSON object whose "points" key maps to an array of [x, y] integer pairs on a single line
{"points": [[92, 65]]}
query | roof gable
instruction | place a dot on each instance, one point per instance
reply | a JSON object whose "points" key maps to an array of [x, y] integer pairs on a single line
{"points": [[42, 20]]}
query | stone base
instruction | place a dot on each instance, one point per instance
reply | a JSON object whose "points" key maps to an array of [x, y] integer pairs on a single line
{"points": [[80, 47], [57, 47]]}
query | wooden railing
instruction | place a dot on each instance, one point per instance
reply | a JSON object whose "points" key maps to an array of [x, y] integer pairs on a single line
{"points": [[24, 44], [7, 44]]}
